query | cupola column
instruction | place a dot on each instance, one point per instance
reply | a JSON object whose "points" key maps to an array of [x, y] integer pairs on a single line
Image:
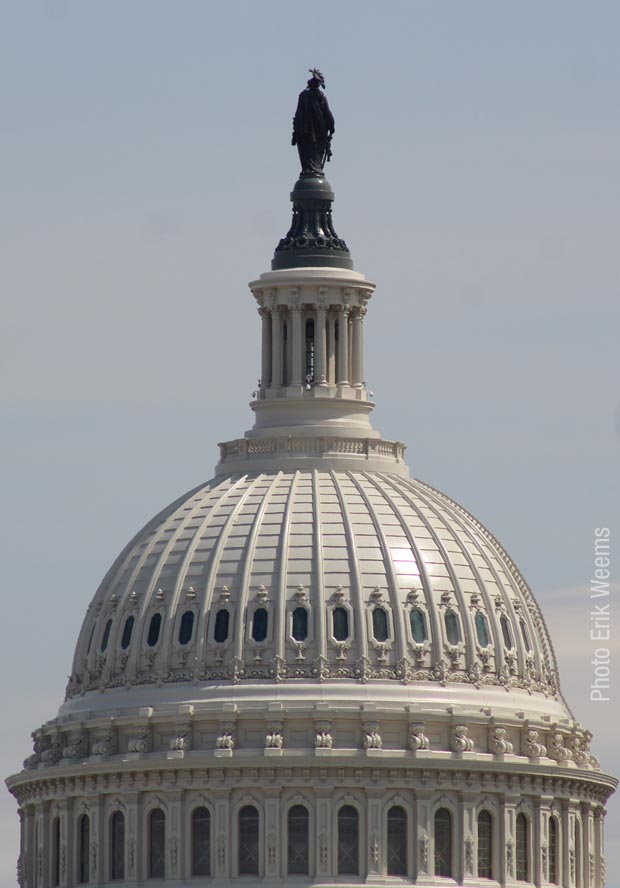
{"points": [[357, 358], [297, 359], [343, 346], [276, 347], [321, 346], [265, 316]]}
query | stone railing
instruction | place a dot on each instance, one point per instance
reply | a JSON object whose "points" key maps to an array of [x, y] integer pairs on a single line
{"points": [[323, 446]]}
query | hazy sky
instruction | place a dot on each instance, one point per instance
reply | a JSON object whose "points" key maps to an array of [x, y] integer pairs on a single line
{"points": [[146, 167]]}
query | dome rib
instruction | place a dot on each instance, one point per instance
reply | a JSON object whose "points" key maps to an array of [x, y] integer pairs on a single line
{"points": [[356, 591], [320, 631], [279, 593], [393, 584]]}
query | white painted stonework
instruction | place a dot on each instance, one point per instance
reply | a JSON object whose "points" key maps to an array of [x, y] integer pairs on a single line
{"points": [[312, 631]]}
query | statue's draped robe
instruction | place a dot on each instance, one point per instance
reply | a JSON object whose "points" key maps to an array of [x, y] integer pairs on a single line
{"points": [[312, 126]]}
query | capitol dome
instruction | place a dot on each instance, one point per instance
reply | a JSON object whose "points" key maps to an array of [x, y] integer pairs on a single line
{"points": [[312, 669]]}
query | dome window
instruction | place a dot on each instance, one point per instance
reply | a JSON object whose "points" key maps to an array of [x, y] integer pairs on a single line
{"points": [[554, 855], [83, 849], [56, 852], [418, 626], [201, 842], [340, 623], [117, 846], [300, 624], [485, 845], [259, 624], [397, 841], [310, 350], [248, 841], [157, 844], [453, 631], [380, 624], [298, 846], [154, 627], [106, 636], [506, 632], [482, 630], [186, 628], [522, 848], [443, 842], [348, 841], [220, 630], [90, 640], [526, 636], [127, 630]]}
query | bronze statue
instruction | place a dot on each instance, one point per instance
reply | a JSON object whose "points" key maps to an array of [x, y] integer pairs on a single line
{"points": [[313, 126]]}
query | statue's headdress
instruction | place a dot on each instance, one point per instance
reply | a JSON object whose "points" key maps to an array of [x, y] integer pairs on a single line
{"points": [[317, 75]]}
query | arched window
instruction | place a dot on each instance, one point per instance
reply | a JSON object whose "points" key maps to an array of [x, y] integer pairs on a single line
{"points": [[248, 841], [127, 630], [397, 841], [485, 845], [418, 626], [340, 623], [298, 841], [300, 624], [186, 627], [157, 844], [285, 373], [482, 630], [259, 624], [201, 842], [380, 624], [220, 630], [117, 846], [348, 841], [310, 350], [522, 848], [554, 856], [453, 631], [83, 857], [106, 636], [154, 627], [506, 632], [526, 635], [56, 851], [443, 843], [90, 640]]}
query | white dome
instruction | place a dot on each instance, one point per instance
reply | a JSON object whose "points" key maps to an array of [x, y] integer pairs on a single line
{"points": [[424, 593]]}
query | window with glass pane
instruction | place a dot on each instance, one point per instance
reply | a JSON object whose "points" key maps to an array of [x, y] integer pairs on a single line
{"points": [[127, 630], [482, 630], [397, 841], [506, 633], [443, 842], [485, 845], [553, 851], [298, 841], [157, 844], [380, 624], [220, 630], [201, 842], [83, 849], [56, 852], [526, 636], [106, 636], [418, 626], [117, 846], [340, 622], [248, 841], [154, 627], [300, 624], [522, 848], [310, 350], [186, 628], [453, 631], [259, 624], [348, 841]]}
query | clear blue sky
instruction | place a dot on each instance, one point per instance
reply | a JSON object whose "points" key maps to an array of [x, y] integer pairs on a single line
{"points": [[146, 166]]}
